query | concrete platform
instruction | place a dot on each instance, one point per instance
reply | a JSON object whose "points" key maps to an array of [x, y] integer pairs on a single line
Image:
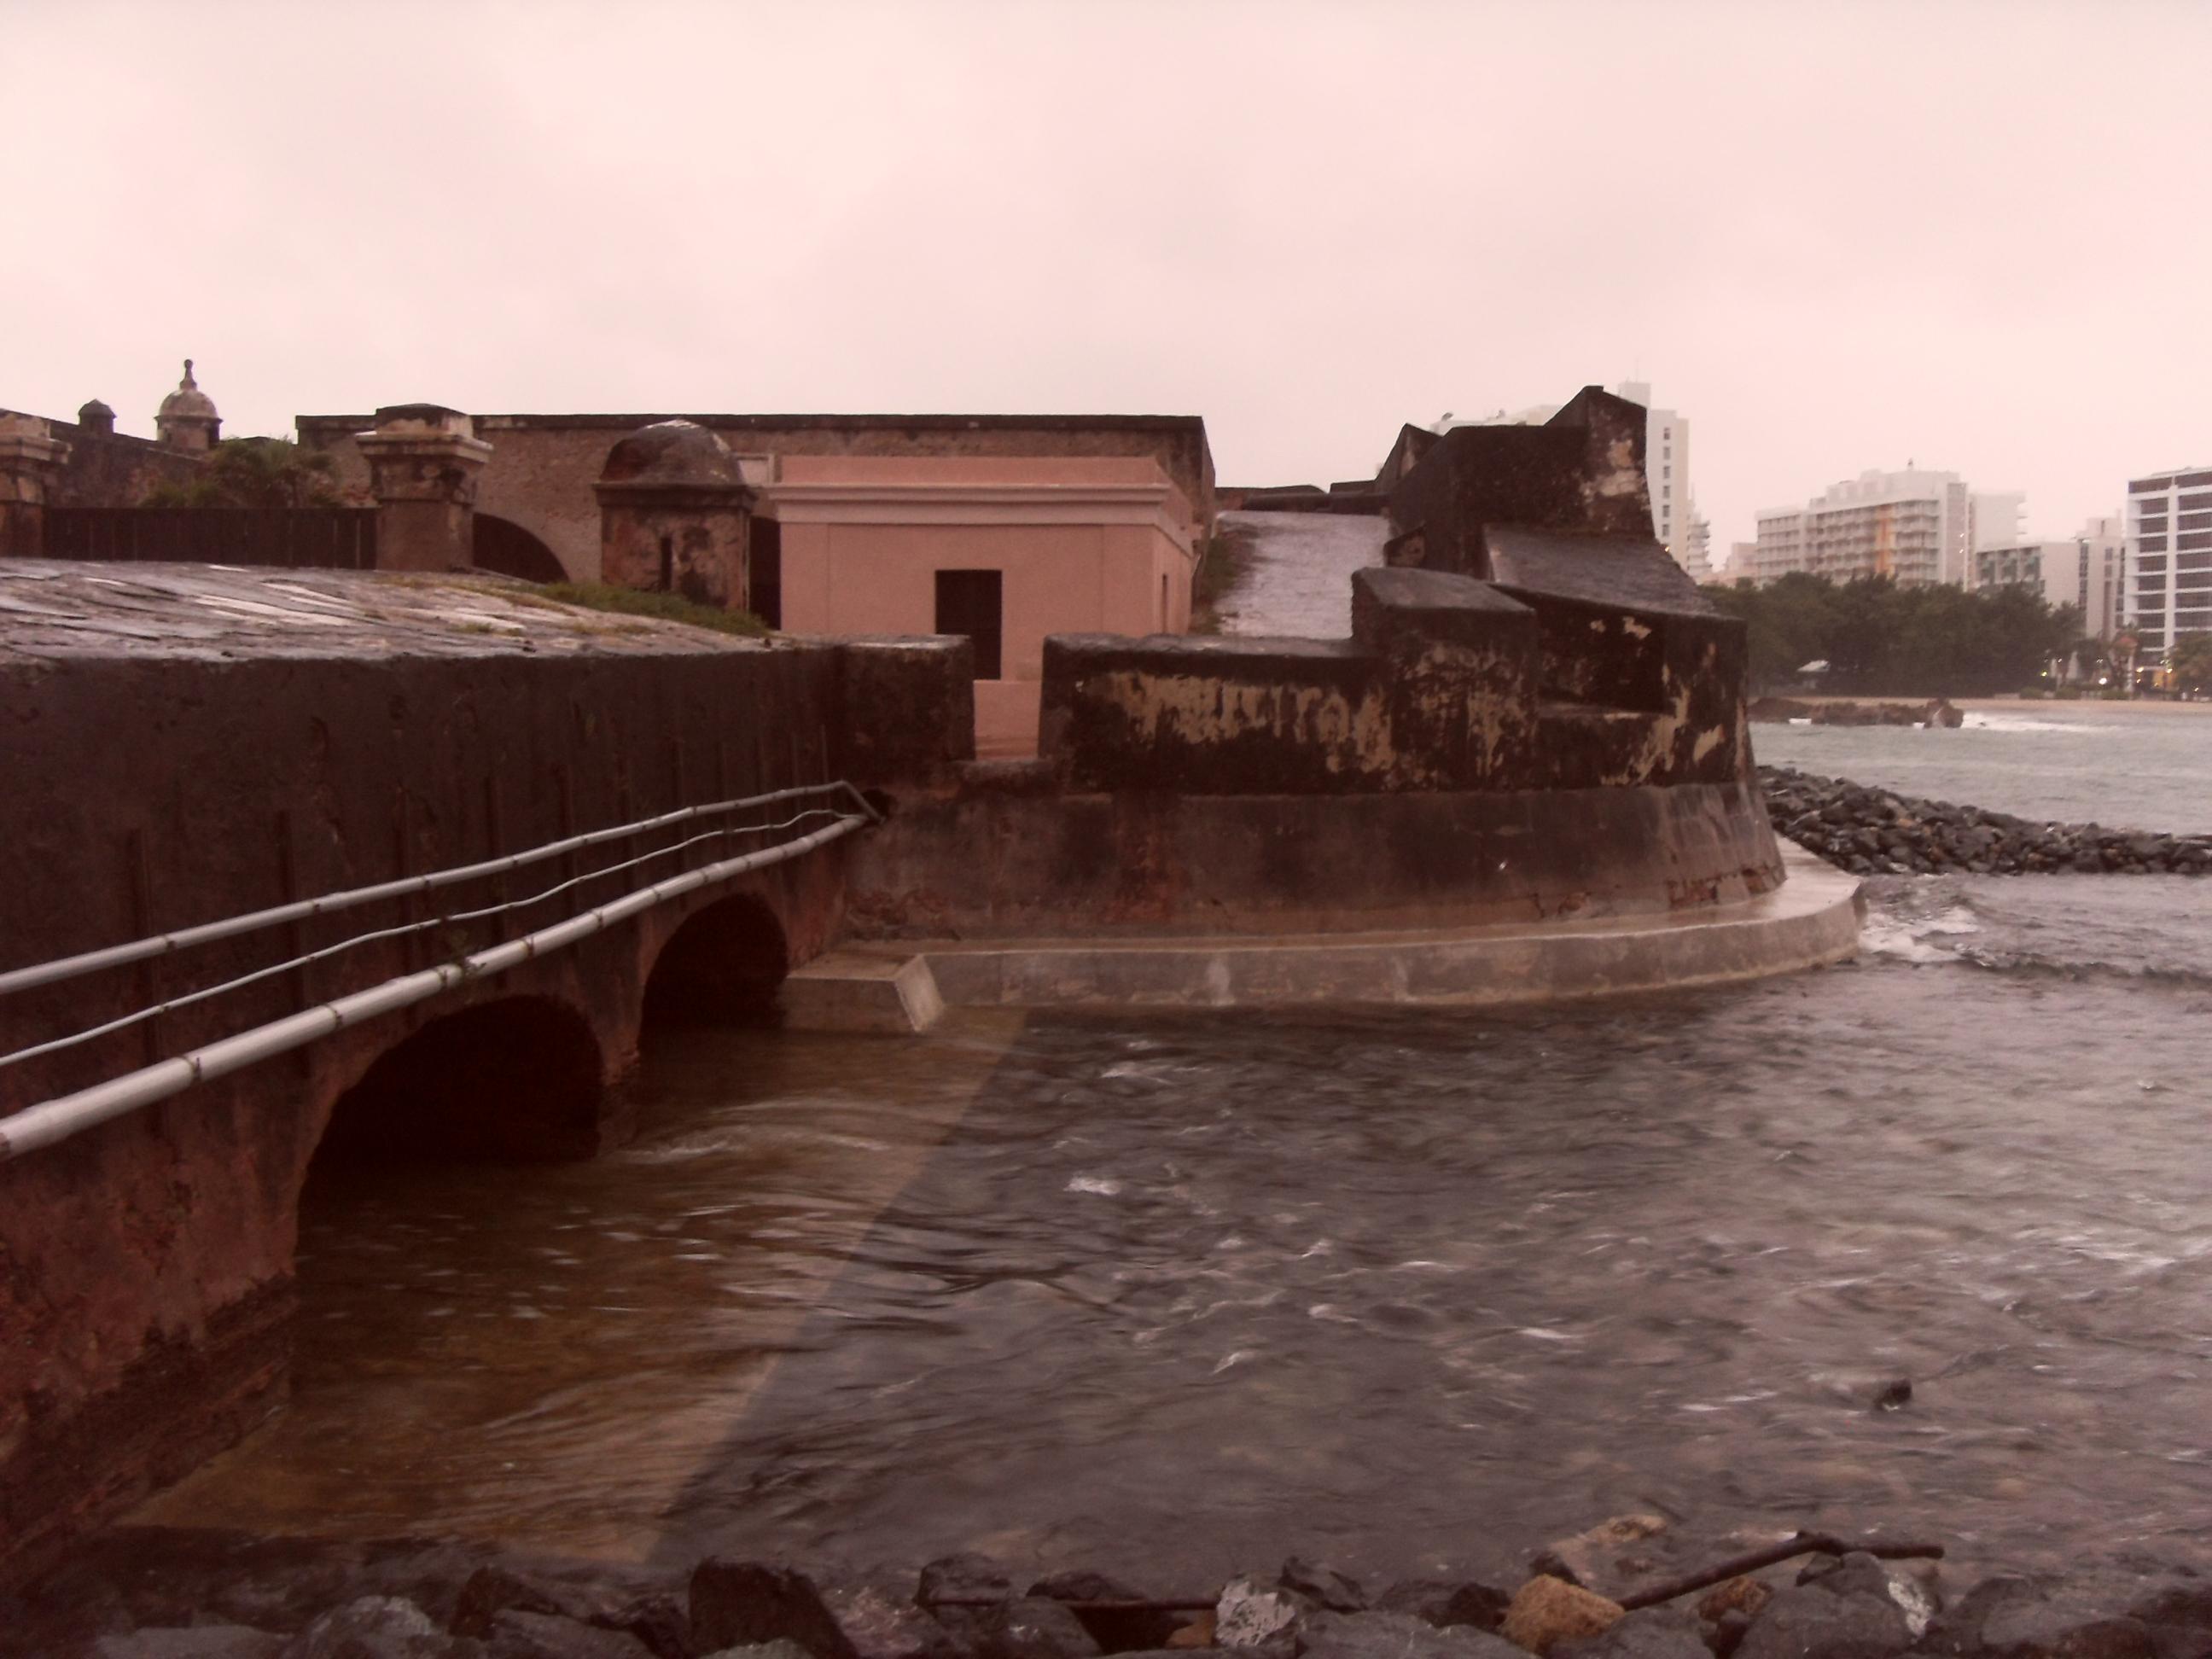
{"points": [[1813, 918], [850, 991]]}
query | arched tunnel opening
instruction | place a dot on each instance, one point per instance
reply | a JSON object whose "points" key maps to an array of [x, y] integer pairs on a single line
{"points": [[499, 545], [515, 1080], [722, 968], [438, 1258]]}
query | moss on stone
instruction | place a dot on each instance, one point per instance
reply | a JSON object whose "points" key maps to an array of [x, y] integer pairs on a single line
{"points": [[664, 607]]}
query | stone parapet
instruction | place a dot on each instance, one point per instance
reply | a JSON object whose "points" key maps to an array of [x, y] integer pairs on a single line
{"points": [[31, 461], [423, 462], [1447, 684]]}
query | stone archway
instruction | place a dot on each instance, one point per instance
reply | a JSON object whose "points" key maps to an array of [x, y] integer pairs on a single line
{"points": [[722, 967], [515, 1080], [502, 545]]}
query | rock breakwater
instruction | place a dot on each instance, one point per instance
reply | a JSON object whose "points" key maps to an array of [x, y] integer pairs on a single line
{"points": [[1614, 1592], [1937, 712], [1872, 831]]}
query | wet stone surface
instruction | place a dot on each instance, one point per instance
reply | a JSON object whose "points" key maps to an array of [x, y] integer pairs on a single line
{"points": [[51, 608]]}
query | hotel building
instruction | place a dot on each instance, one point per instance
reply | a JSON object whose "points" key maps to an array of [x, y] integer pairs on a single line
{"points": [[2168, 594]]}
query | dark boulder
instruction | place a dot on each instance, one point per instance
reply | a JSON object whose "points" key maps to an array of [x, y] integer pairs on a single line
{"points": [[515, 1634], [1116, 1632], [1662, 1632], [1030, 1627], [190, 1641], [1444, 1604], [882, 1623], [741, 1603], [377, 1627], [2039, 1618], [1396, 1636], [1812, 1623], [1324, 1586]]}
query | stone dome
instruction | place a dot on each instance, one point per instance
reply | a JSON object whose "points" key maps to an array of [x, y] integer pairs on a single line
{"points": [[96, 413], [187, 402], [673, 453]]}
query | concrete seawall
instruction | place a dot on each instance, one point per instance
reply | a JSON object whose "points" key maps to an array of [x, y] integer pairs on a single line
{"points": [[1812, 920]]}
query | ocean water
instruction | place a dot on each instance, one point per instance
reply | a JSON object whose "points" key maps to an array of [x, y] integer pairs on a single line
{"points": [[1412, 1291], [2139, 766]]}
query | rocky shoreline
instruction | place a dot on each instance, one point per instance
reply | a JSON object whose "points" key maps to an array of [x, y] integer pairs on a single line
{"points": [[1614, 1592], [1870, 831], [1937, 713]]}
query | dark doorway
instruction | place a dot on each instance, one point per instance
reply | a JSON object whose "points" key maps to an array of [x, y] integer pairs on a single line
{"points": [[497, 544], [972, 602], [765, 578]]}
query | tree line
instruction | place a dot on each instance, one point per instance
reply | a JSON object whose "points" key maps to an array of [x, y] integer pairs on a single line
{"points": [[1881, 638]]}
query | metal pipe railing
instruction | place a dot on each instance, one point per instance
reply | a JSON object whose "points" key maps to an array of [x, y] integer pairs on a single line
{"points": [[114, 956], [403, 930], [58, 1119]]}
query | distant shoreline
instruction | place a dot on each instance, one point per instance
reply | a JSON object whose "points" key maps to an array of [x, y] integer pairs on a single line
{"points": [[2131, 708]]}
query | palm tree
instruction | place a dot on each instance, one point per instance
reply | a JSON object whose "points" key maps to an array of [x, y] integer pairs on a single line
{"points": [[2190, 664]]}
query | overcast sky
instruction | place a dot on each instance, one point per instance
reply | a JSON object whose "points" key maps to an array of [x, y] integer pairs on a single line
{"points": [[1834, 236]]}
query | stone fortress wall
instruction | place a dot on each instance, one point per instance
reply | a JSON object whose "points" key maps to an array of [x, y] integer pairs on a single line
{"points": [[1536, 716], [543, 467]]}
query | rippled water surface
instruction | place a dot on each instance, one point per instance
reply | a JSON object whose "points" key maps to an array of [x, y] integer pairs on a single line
{"points": [[1173, 1296], [1176, 1294], [2128, 766]]}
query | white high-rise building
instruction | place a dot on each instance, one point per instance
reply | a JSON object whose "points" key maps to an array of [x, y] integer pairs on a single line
{"points": [[2169, 591], [1998, 522], [2083, 570], [1667, 466], [1915, 525], [1696, 554]]}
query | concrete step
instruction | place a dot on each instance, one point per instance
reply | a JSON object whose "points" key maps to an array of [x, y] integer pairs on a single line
{"points": [[1813, 919], [862, 991]]}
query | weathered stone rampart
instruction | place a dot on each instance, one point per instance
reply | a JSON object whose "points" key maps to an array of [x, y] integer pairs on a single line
{"points": [[1447, 684], [1471, 754], [231, 743]]}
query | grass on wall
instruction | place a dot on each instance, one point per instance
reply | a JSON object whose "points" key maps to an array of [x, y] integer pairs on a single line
{"points": [[1224, 560], [662, 607]]}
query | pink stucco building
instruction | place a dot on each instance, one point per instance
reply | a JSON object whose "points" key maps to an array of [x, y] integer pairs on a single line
{"points": [[1005, 550], [1003, 527]]}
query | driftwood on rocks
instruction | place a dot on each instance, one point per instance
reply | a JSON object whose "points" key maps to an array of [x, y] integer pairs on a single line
{"points": [[1804, 1543]]}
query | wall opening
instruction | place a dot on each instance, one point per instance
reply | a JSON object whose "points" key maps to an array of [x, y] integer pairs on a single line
{"points": [[499, 544], [518, 1079], [431, 1263], [972, 602], [764, 597], [722, 968]]}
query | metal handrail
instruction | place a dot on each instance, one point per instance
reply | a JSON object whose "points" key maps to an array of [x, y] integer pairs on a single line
{"points": [[114, 956], [58, 1119], [450, 918]]}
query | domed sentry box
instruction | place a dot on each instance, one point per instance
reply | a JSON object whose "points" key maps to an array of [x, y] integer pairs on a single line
{"points": [[676, 515], [187, 419]]}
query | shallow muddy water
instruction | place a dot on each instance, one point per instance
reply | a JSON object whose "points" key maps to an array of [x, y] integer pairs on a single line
{"points": [[1175, 1295]]}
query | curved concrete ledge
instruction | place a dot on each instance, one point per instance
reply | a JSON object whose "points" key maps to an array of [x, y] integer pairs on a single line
{"points": [[1813, 918]]}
